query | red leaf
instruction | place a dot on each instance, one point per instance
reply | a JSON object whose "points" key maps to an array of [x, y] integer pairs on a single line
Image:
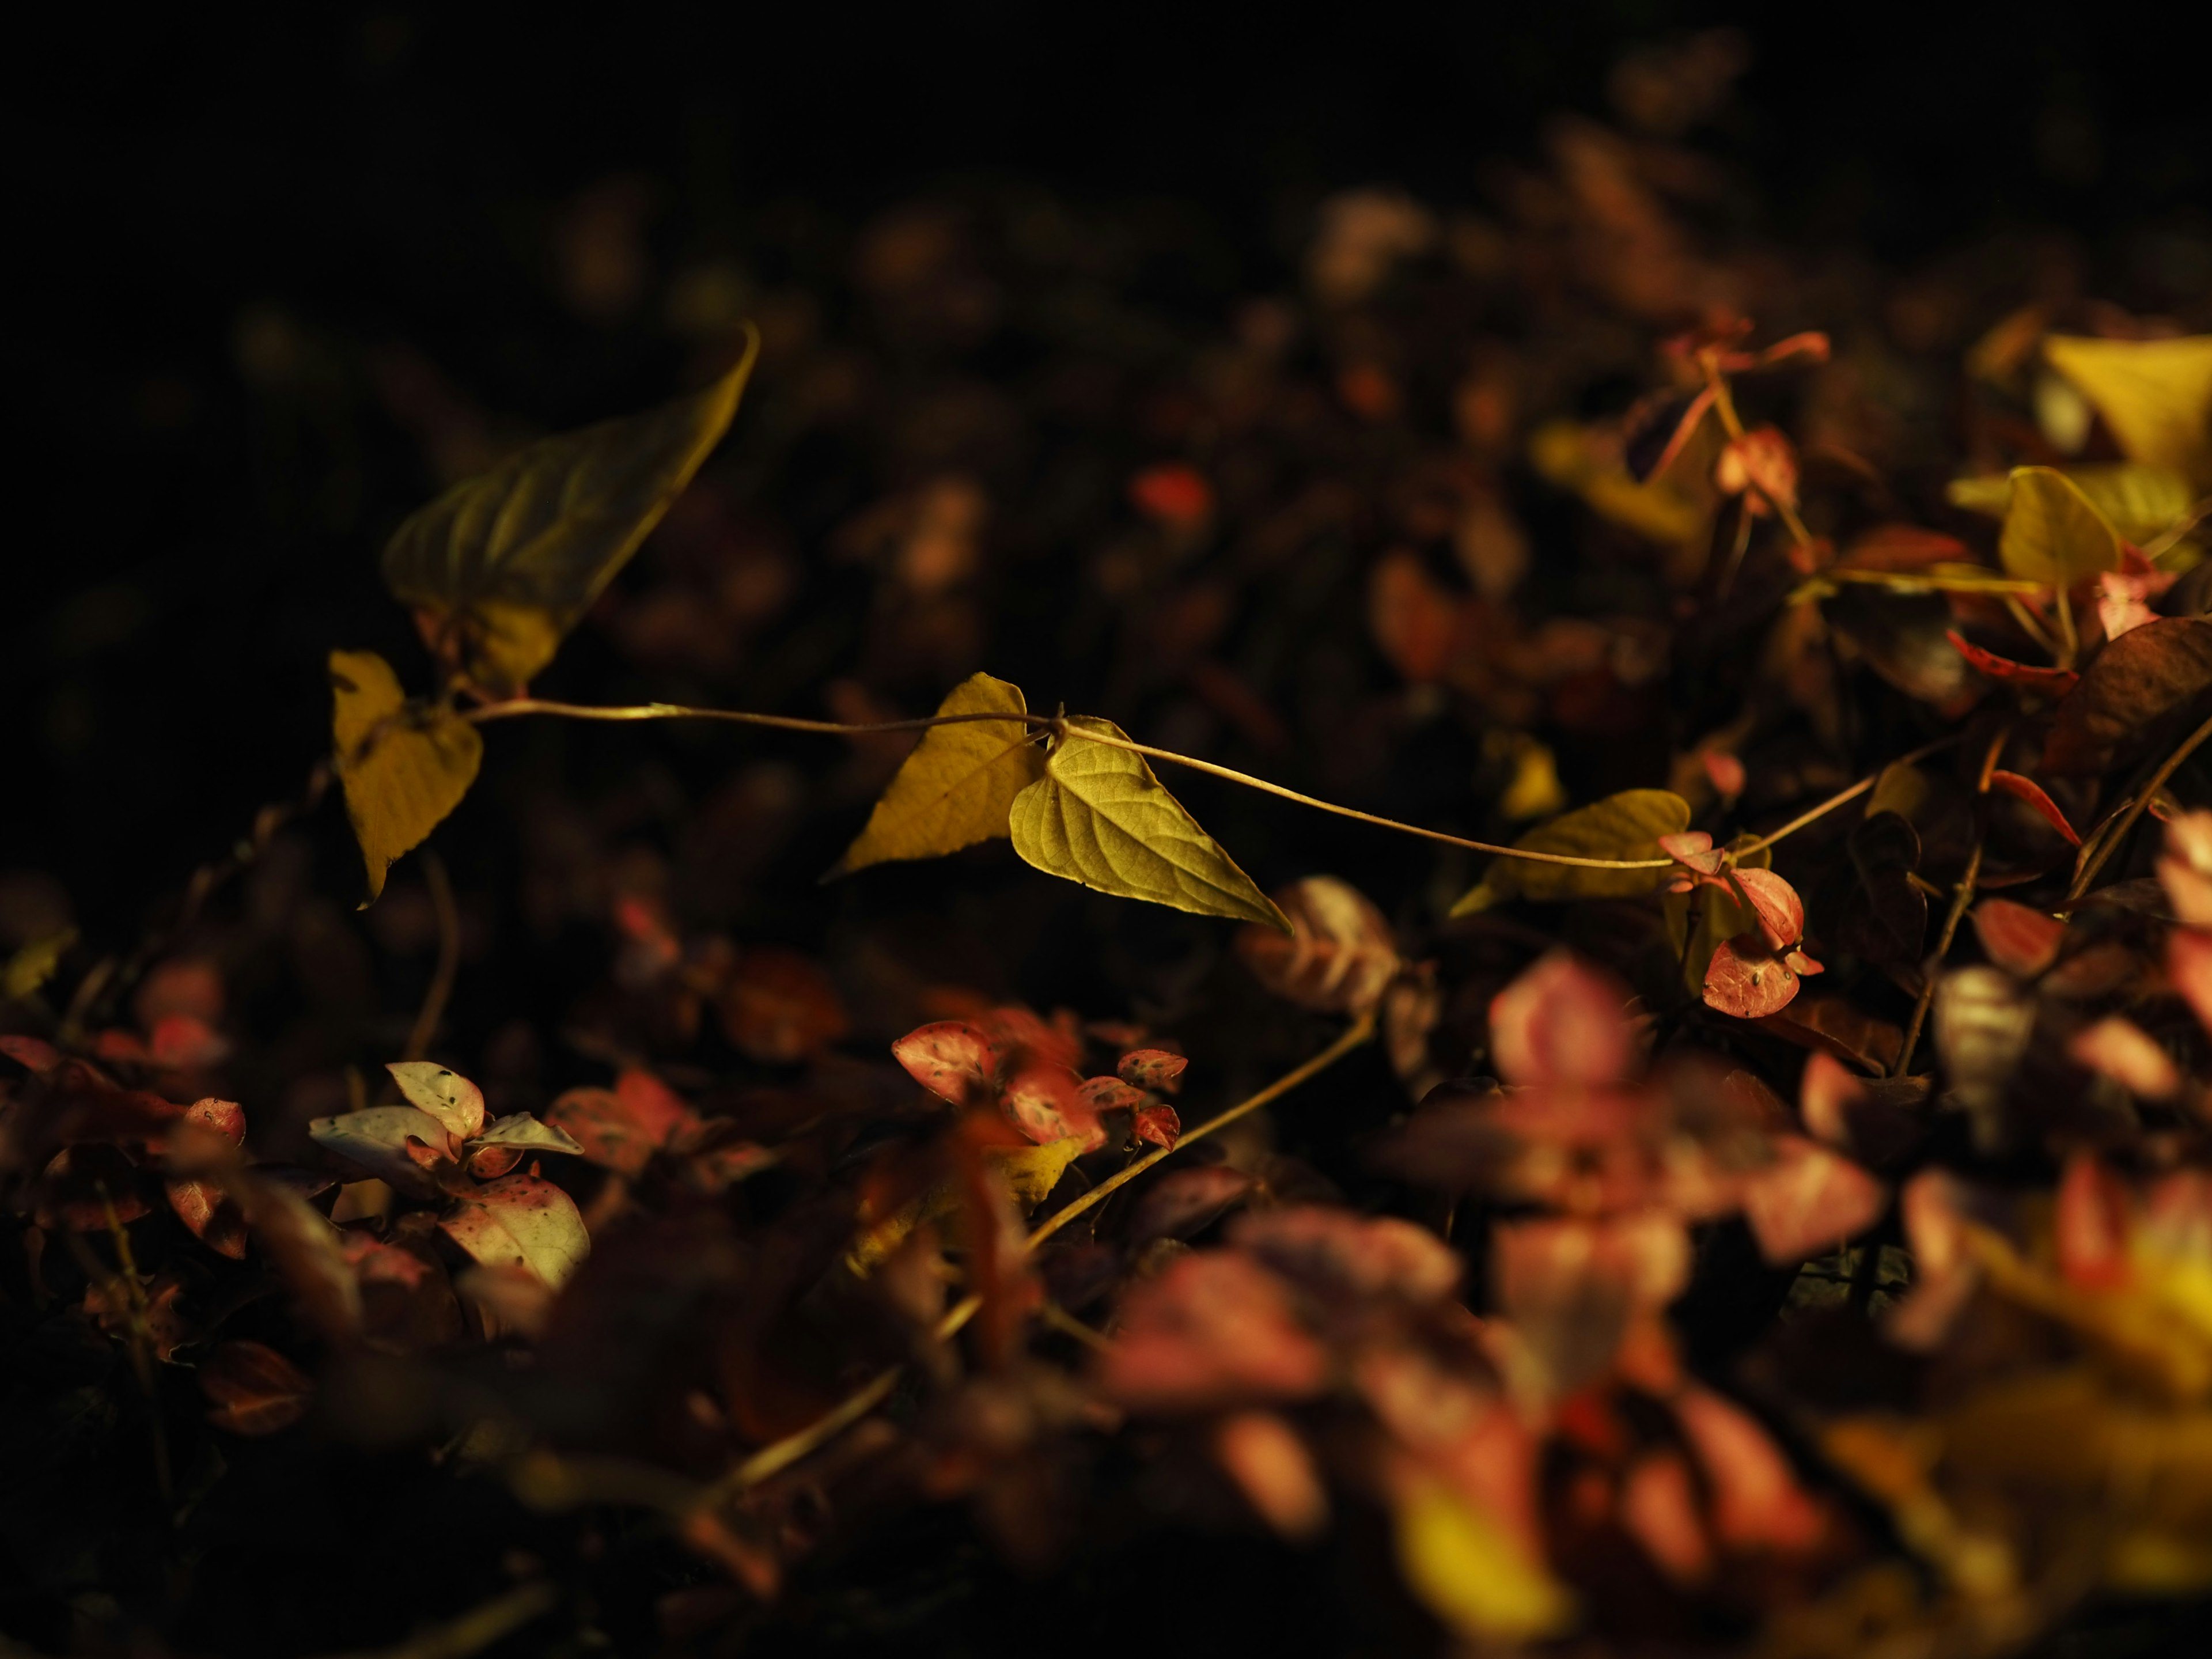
{"points": [[2052, 682], [1155, 1069], [1746, 979], [1757, 1502], [2029, 790], [1215, 1329], [1693, 850], [1573, 1287], [1561, 1022], [1836, 1025], [1159, 1124], [1808, 1201], [254, 1389], [2188, 965], [1045, 1102], [1762, 460], [952, 1060], [1110, 1094], [2118, 1048], [2021, 941], [1173, 494], [1271, 1466], [1825, 1095], [780, 1007], [620, 1128], [1416, 623], [2091, 1225], [1725, 772], [1355, 1259], [1659, 1511], [30, 1051]]}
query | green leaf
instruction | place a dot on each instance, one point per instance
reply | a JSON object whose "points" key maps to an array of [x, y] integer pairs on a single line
{"points": [[2140, 501], [1627, 825], [1100, 817], [404, 767], [34, 963], [958, 785], [521, 1221], [2156, 395], [2051, 533], [500, 566]]}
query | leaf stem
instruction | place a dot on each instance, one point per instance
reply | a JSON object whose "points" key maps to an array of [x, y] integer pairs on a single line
{"points": [[2134, 809], [1960, 898]]}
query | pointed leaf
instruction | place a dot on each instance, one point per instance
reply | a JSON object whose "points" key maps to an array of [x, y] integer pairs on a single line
{"points": [[403, 769], [620, 1127], [2052, 682], [2052, 533], [521, 1221], [1340, 956], [1152, 1068], [2027, 789], [2116, 1048], [1470, 1571], [1100, 817], [252, 1389], [958, 785], [442, 1092], [1627, 825], [2157, 395], [1809, 1200], [521, 1130], [502, 565], [1161, 1125], [951, 1059], [377, 1140], [2136, 681]]}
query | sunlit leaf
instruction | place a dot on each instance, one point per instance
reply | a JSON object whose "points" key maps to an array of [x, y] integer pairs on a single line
{"points": [[2052, 533], [958, 785], [1100, 817], [377, 1138], [2139, 500], [1562, 1021], [1032, 1172], [521, 1221], [2157, 395], [502, 565], [33, 964], [620, 1127], [1470, 1571], [442, 1092], [1624, 826], [522, 1131], [1809, 1200], [951, 1059], [1271, 1466], [403, 769]]}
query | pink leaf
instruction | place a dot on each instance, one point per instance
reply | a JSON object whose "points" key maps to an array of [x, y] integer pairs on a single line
{"points": [[2021, 941], [1264, 1455], [1757, 1502], [1561, 1022], [2091, 1225], [1808, 1201], [1159, 1124], [1781, 913], [1215, 1329], [1110, 1094], [1659, 1509], [1045, 1102], [252, 1389]]}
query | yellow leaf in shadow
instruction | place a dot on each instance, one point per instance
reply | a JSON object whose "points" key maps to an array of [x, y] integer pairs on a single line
{"points": [[500, 566], [959, 786], [1627, 825], [2156, 395], [1100, 817], [2051, 533], [404, 769]]}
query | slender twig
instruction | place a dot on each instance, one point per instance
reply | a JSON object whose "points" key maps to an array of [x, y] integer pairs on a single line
{"points": [[2134, 809], [2171, 535], [774, 1459], [1843, 798], [1960, 898], [1068, 1325], [449, 958]]}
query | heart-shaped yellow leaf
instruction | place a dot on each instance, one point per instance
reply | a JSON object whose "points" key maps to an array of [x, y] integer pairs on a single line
{"points": [[1099, 817], [403, 769], [1627, 825], [500, 566], [2157, 395], [958, 785], [2051, 533]]}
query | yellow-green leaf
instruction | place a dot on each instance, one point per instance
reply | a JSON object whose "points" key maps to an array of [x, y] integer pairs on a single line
{"points": [[958, 785], [1564, 454], [1033, 1171], [1470, 1571], [2156, 395], [1099, 817], [503, 564], [2052, 533], [403, 767], [2140, 501], [1627, 825], [35, 964]]}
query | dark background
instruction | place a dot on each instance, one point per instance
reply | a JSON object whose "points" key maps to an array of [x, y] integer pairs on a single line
{"points": [[180, 559]]}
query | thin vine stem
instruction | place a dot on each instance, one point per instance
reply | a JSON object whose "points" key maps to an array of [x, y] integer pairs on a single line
{"points": [[1057, 726], [1960, 899], [774, 1458]]}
